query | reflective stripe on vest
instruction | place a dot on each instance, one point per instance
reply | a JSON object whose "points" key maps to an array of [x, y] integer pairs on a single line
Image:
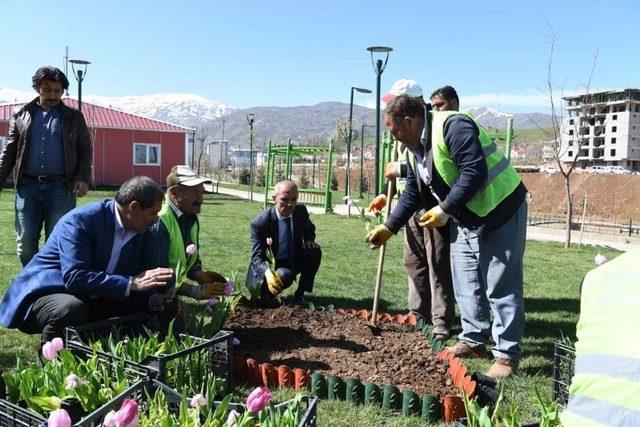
{"points": [[605, 389], [177, 251], [502, 178]]}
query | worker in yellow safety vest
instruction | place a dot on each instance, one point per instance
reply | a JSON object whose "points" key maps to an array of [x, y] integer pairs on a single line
{"points": [[605, 389]]}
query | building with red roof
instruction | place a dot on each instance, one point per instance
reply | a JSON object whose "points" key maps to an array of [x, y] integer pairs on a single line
{"points": [[124, 144]]}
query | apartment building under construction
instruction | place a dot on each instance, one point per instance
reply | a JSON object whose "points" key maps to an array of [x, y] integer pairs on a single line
{"points": [[602, 129]]}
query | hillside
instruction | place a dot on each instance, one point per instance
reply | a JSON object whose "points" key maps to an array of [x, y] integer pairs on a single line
{"points": [[610, 197]]}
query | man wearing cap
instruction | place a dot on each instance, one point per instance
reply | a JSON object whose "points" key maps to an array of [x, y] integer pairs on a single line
{"points": [[174, 240], [287, 231], [426, 251]]}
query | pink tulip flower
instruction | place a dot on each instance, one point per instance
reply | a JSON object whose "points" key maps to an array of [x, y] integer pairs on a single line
{"points": [[232, 418], [110, 420], [228, 290], [49, 351], [269, 241], [73, 381], [127, 416], [58, 344], [59, 418], [198, 400], [258, 399], [192, 249]]}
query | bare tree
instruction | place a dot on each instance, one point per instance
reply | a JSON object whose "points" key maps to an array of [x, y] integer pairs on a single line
{"points": [[342, 130], [201, 135], [567, 167]]}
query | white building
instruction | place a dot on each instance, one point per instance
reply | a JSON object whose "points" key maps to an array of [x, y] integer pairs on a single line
{"points": [[602, 129]]}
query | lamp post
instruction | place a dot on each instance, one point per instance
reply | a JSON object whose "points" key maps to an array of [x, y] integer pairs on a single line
{"points": [[378, 67], [347, 187], [79, 74], [250, 119]]}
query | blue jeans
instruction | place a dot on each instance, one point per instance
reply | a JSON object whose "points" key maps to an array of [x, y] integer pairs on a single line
{"points": [[487, 277], [38, 203]]}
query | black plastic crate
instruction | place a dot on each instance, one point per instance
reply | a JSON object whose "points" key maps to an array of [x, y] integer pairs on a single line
{"points": [[308, 417], [564, 363], [209, 357], [12, 415]]}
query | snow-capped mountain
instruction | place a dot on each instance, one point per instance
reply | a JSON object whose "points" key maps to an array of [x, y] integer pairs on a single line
{"points": [[10, 96], [492, 118], [185, 109]]}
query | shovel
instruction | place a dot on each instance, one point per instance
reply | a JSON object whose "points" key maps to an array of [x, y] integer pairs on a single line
{"points": [[390, 191]]}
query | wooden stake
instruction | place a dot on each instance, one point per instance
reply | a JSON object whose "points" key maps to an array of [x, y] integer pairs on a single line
{"points": [[383, 247]]}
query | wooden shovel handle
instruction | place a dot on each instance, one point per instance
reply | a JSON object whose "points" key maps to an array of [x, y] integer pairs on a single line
{"points": [[383, 247]]}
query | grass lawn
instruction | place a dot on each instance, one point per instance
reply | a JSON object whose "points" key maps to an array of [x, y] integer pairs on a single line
{"points": [[346, 279]]}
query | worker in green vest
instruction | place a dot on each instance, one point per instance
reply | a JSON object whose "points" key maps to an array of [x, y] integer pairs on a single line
{"points": [[174, 240], [454, 160], [426, 251], [605, 389]]}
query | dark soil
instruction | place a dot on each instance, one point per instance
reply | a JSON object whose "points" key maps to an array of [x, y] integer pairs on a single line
{"points": [[347, 346]]}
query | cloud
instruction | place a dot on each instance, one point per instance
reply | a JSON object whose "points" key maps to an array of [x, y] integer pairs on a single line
{"points": [[517, 100]]}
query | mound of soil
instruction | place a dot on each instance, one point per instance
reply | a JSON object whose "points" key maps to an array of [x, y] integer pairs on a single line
{"points": [[611, 197], [334, 344]]}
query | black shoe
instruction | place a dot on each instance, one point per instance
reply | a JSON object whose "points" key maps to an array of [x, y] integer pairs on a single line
{"points": [[299, 301], [269, 302]]}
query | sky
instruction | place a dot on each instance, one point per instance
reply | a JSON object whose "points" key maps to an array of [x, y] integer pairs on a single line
{"points": [[286, 53]]}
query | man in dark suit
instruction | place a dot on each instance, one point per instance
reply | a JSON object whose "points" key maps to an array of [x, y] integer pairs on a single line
{"points": [[91, 266], [290, 234]]}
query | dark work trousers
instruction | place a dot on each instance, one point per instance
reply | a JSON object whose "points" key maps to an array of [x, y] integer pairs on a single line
{"points": [[50, 314], [428, 265], [307, 265]]}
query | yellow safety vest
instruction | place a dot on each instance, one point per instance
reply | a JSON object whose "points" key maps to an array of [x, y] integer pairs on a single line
{"points": [[605, 389], [177, 251]]}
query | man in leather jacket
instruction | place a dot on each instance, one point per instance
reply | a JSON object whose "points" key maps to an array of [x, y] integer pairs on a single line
{"points": [[50, 148]]}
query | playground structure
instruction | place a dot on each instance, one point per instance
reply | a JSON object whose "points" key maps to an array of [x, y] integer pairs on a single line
{"points": [[309, 196], [506, 136]]}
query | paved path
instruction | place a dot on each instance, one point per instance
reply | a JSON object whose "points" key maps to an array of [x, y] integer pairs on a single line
{"points": [[621, 243]]}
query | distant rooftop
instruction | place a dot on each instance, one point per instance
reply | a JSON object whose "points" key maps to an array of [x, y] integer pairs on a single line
{"points": [[104, 117], [608, 95]]}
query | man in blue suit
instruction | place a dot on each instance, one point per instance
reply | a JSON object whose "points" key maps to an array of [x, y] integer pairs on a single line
{"points": [[91, 266]]}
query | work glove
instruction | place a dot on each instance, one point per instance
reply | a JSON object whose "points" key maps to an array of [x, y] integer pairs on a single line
{"points": [[377, 204], [433, 218], [210, 277], [392, 170], [203, 291], [274, 282], [378, 236]]}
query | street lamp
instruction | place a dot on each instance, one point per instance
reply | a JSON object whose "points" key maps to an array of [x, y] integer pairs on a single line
{"points": [[79, 74], [348, 177], [378, 67], [250, 119]]}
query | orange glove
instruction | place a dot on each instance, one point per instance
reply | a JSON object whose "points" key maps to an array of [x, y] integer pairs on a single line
{"points": [[392, 170], [377, 204]]}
